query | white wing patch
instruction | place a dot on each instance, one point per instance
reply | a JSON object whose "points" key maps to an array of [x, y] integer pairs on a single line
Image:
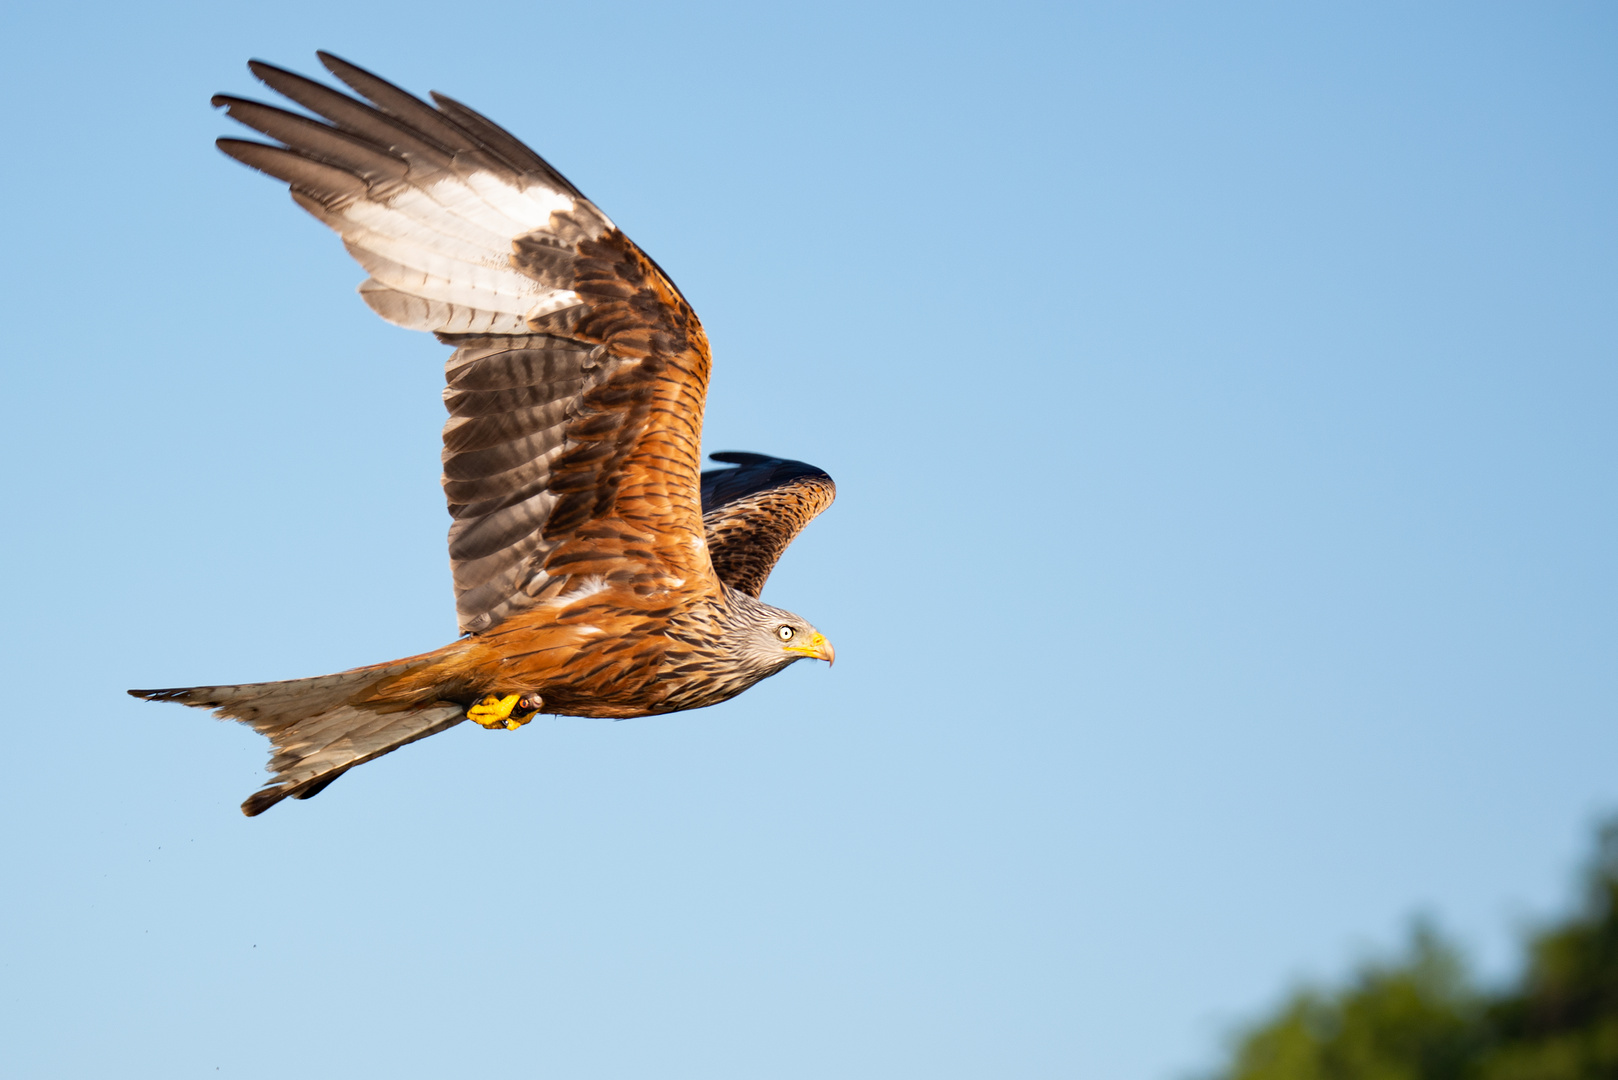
{"points": [[519, 204], [439, 252]]}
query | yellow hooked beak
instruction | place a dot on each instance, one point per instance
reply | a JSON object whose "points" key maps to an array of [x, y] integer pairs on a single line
{"points": [[816, 648]]}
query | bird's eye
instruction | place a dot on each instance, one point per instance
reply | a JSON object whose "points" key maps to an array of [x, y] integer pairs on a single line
{"points": [[784, 632]]}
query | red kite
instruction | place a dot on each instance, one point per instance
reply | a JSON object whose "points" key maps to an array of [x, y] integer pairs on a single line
{"points": [[597, 571]]}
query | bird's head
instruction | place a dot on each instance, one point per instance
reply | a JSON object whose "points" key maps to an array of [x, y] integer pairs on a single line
{"points": [[797, 638], [772, 638]]}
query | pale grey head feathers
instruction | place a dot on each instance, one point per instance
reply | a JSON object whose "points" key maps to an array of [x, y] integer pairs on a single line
{"points": [[764, 639]]}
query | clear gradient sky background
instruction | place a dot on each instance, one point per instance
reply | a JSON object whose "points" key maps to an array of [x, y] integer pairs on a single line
{"points": [[1221, 400]]}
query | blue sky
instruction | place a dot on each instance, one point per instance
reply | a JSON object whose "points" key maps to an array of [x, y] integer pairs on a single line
{"points": [[1220, 400]]}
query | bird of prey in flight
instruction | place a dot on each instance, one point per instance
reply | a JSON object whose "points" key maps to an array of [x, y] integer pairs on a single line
{"points": [[598, 571]]}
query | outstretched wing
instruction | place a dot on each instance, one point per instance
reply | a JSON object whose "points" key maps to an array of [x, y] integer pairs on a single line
{"points": [[577, 385], [752, 512]]}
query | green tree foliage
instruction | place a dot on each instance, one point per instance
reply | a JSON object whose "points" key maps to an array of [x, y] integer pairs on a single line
{"points": [[1421, 1018], [1562, 1022]]}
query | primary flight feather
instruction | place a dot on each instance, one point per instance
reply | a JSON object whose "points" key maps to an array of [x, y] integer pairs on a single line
{"points": [[598, 571]]}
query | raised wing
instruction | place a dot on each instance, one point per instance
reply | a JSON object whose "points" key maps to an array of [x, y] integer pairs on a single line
{"points": [[752, 512], [577, 386]]}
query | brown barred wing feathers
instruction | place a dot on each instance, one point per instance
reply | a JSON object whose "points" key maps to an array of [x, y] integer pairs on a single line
{"points": [[577, 386], [754, 511]]}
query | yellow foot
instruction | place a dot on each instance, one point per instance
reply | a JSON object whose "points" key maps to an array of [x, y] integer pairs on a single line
{"points": [[509, 712], [496, 712]]}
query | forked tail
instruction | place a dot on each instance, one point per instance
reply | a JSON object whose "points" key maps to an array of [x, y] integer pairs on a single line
{"points": [[321, 727]]}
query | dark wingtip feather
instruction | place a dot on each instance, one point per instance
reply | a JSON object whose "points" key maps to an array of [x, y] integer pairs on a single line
{"points": [[315, 787], [173, 693], [266, 797], [328, 185], [262, 800], [401, 105], [502, 143], [259, 67], [761, 469]]}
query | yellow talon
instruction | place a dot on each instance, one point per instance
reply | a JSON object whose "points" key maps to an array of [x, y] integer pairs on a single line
{"points": [[495, 712]]}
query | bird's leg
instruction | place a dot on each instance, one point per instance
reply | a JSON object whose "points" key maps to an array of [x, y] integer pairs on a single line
{"points": [[510, 711]]}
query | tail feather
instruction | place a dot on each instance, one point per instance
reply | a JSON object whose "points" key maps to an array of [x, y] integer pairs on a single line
{"points": [[319, 728]]}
